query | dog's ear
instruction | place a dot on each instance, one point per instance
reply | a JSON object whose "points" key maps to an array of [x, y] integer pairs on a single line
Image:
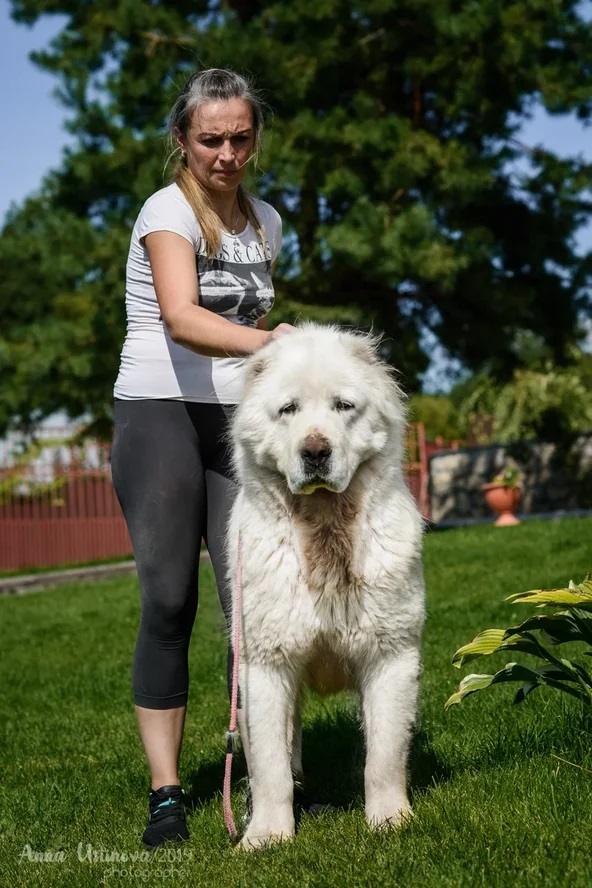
{"points": [[256, 366], [365, 346]]}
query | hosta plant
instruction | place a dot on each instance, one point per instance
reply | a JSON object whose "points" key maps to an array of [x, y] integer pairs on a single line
{"points": [[536, 636]]}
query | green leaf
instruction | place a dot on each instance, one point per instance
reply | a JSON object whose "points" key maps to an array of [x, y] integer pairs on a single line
{"points": [[583, 620], [579, 596], [556, 628], [468, 685], [472, 683], [523, 692], [583, 677], [547, 675], [486, 642], [493, 640]]}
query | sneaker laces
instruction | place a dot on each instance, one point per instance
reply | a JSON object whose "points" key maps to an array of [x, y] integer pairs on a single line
{"points": [[166, 802]]}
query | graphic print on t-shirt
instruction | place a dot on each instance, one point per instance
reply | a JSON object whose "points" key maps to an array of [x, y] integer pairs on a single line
{"points": [[237, 281]]}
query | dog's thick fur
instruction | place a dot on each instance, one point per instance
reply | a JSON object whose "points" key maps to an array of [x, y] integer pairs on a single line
{"points": [[333, 591]]}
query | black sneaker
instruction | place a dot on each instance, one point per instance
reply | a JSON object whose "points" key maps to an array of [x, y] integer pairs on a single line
{"points": [[167, 816], [304, 805]]}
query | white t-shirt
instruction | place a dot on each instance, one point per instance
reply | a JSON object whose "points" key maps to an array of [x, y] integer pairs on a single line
{"points": [[236, 284]]}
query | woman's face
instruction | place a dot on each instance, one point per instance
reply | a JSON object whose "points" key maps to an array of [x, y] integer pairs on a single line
{"points": [[219, 143]]}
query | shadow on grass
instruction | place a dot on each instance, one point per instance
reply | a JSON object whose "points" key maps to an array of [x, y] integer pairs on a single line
{"points": [[426, 768], [205, 783], [333, 759]]}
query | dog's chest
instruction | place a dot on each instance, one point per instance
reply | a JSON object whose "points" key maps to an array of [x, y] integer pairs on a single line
{"points": [[296, 609], [319, 585]]}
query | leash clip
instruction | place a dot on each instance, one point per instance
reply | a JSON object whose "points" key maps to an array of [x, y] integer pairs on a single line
{"points": [[230, 742]]}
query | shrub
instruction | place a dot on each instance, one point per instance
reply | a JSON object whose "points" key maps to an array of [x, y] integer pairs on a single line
{"points": [[439, 416], [550, 404], [574, 624]]}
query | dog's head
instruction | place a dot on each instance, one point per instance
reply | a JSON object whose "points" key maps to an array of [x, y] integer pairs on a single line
{"points": [[317, 404]]}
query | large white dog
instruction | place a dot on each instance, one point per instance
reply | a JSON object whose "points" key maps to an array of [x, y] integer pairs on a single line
{"points": [[332, 581]]}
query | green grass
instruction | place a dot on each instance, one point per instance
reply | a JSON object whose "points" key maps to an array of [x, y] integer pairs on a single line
{"points": [[494, 805]]}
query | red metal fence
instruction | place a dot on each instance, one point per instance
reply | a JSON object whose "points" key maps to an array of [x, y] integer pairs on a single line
{"points": [[416, 466], [58, 505]]}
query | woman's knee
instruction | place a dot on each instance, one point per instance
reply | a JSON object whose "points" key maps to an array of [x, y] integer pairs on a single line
{"points": [[168, 601]]}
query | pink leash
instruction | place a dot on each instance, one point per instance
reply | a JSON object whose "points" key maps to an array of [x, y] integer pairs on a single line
{"points": [[230, 734]]}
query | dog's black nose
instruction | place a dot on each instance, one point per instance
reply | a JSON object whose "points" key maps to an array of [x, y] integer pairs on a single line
{"points": [[316, 451]]}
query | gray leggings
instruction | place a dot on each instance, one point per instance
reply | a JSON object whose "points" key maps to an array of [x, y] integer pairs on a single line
{"points": [[171, 470]]}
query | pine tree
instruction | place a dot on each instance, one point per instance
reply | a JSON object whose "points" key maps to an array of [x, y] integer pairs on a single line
{"points": [[392, 157]]}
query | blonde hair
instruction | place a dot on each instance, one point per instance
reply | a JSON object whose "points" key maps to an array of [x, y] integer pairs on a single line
{"points": [[214, 84]]}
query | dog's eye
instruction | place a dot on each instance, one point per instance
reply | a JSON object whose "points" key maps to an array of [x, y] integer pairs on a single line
{"points": [[338, 404], [291, 407]]}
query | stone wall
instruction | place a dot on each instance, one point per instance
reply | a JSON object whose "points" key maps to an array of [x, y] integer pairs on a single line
{"points": [[555, 478]]}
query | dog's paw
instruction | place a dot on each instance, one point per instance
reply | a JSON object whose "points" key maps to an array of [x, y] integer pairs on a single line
{"points": [[390, 818], [251, 842]]}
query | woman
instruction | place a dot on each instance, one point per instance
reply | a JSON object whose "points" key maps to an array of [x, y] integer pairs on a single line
{"points": [[179, 377]]}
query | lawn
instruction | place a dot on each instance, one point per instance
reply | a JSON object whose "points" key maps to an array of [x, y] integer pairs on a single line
{"points": [[502, 795]]}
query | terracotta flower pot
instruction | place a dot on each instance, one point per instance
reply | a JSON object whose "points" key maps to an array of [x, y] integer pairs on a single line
{"points": [[504, 501]]}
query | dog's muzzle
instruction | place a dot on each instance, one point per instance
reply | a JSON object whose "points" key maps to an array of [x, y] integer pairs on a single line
{"points": [[315, 457]]}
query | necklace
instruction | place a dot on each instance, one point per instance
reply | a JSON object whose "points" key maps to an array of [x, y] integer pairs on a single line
{"points": [[235, 226]]}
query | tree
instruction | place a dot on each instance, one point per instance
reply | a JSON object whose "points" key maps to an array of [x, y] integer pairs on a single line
{"points": [[392, 158]]}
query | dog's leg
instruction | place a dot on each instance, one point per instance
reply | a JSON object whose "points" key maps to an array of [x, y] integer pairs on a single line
{"points": [[294, 740], [270, 698], [389, 700]]}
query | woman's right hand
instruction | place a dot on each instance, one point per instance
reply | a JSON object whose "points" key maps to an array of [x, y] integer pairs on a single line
{"points": [[281, 330]]}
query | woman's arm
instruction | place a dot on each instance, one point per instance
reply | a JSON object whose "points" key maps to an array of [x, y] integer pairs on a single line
{"points": [[172, 259]]}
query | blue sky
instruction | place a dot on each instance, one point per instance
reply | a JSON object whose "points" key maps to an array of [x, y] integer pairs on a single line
{"points": [[32, 118]]}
